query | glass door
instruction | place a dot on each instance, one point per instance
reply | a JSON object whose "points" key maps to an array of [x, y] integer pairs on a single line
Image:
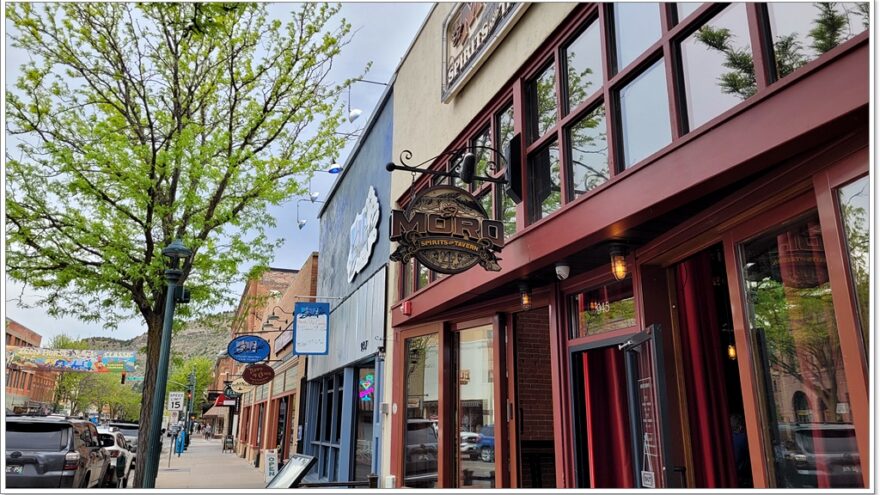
{"points": [[647, 393]]}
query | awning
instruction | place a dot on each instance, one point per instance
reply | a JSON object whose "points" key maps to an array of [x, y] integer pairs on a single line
{"points": [[217, 411], [223, 400]]}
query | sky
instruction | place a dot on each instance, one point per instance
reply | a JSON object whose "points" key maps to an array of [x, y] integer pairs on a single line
{"points": [[382, 34]]}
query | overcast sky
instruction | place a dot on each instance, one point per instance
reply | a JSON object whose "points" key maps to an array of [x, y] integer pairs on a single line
{"points": [[383, 33]]}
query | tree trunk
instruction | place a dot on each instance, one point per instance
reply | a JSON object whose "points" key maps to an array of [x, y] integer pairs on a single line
{"points": [[154, 335]]}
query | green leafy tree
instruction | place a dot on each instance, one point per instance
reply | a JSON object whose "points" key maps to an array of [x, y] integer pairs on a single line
{"points": [[829, 27], [138, 123], [203, 368], [68, 384]]}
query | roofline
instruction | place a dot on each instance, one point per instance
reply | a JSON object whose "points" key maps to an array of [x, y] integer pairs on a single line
{"points": [[382, 101]]}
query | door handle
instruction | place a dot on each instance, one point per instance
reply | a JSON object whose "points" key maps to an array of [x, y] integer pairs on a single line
{"points": [[509, 411], [681, 472]]}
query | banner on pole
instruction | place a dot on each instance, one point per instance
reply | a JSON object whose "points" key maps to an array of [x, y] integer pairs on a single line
{"points": [[73, 360]]}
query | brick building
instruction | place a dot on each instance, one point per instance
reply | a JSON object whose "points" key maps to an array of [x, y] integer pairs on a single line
{"points": [[27, 390]]}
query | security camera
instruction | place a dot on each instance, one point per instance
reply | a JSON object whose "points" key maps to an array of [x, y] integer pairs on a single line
{"points": [[562, 270]]}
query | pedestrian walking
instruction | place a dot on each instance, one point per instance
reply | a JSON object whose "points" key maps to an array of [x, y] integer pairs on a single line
{"points": [[207, 432]]}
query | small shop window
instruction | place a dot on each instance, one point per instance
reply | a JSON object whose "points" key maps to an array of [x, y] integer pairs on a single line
{"points": [[508, 212], [422, 411], [854, 208], [406, 270], [486, 201], [717, 66], [644, 115], [588, 152], [482, 141], [800, 32], [423, 276], [504, 132], [583, 64], [636, 27], [544, 182], [542, 102], [604, 308]]}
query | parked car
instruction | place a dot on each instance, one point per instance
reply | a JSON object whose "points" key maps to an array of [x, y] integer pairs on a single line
{"points": [[487, 443], [53, 453], [469, 445], [421, 453], [129, 431], [814, 450], [121, 456]]}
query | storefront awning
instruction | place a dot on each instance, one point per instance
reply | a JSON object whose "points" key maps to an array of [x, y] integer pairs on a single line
{"points": [[217, 411]]}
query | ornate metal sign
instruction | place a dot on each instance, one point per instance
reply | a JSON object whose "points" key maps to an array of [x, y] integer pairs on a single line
{"points": [[258, 374], [248, 349], [448, 231], [363, 235]]}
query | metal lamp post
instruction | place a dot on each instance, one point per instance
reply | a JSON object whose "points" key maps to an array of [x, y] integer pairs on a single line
{"points": [[175, 252], [189, 408]]}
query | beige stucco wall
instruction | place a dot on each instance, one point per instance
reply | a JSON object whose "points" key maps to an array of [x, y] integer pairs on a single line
{"points": [[426, 126]]}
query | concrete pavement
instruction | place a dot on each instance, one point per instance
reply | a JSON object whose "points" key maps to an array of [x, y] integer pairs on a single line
{"points": [[205, 466]]}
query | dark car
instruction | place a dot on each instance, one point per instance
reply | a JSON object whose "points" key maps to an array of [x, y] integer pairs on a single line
{"points": [[813, 450], [421, 453], [486, 443], [53, 453]]}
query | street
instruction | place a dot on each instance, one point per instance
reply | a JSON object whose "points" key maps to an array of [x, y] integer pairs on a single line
{"points": [[203, 465]]}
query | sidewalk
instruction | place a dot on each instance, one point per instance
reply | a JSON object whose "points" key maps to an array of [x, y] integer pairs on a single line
{"points": [[205, 466]]}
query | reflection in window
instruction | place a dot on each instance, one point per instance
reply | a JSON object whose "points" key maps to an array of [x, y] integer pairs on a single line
{"points": [[803, 31], [545, 193], [483, 155], [486, 202], [475, 411], [589, 151], [603, 309], [423, 276], [717, 65], [422, 393], [686, 8], [636, 27], [542, 101], [505, 131], [791, 314], [644, 114], [508, 213], [854, 208], [584, 66]]}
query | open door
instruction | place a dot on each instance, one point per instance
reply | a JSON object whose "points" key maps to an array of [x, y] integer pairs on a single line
{"points": [[647, 393]]}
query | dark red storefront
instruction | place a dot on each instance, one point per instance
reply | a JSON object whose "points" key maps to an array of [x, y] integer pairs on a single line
{"points": [[733, 353]]}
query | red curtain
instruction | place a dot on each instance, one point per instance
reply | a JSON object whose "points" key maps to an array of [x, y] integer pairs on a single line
{"points": [[608, 434], [702, 354]]}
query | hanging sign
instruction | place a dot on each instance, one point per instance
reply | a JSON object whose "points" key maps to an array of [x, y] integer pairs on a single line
{"points": [[239, 386], [448, 231], [362, 235], [311, 328], [248, 349], [258, 374], [73, 360]]}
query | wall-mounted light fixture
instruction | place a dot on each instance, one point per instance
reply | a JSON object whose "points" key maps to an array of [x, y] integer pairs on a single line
{"points": [[618, 261], [525, 296], [354, 113], [301, 222], [731, 352]]}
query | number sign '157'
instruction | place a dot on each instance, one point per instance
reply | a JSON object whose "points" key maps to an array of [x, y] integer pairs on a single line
{"points": [[248, 349]]}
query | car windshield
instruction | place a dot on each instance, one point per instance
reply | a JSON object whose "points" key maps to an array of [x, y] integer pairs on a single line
{"points": [[36, 436], [129, 431]]}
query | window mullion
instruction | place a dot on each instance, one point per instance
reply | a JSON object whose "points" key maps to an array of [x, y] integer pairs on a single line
{"points": [[610, 105], [761, 54], [671, 63]]}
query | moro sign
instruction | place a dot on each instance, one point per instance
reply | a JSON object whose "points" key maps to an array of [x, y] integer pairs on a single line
{"points": [[448, 231]]}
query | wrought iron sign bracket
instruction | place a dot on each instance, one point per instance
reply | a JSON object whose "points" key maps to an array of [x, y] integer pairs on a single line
{"points": [[466, 164]]}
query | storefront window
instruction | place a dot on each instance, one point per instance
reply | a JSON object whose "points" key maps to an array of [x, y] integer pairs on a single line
{"points": [[588, 149], [422, 393], [803, 31], [424, 273], [475, 411], [544, 182], [508, 213], [486, 202], [583, 63], [636, 27], [854, 208], [483, 155], [644, 114], [505, 128], [603, 309], [717, 66], [685, 9], [542, 99], [365, 404], [791, 314]]}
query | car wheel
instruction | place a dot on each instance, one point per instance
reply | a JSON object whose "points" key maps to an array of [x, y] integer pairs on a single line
{"points": [[487, 454]]}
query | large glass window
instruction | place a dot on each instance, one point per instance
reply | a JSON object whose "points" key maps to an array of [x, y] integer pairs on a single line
{"points": [[801, 32], [718, 68], [644, 115], [366, 401], [422, 393], [542, 101], [588, 149], [544, 188], [475, 408], [797, 351], [484, 156], [636, 27], [854, 208], [603, 309], [507, 213], [583, 63]]}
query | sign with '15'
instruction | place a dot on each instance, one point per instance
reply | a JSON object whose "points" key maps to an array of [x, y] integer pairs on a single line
{"points": [[175, 401]]}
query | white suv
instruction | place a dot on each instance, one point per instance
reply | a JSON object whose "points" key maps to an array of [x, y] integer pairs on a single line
{"points": [[121, 456]]}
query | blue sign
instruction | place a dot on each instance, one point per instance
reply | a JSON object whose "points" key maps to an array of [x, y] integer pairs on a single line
{"points": [[248, 349], [311, 328]]}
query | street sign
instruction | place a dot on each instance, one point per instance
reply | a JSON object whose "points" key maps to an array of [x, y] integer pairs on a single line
{"points": [[175, 401]]}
